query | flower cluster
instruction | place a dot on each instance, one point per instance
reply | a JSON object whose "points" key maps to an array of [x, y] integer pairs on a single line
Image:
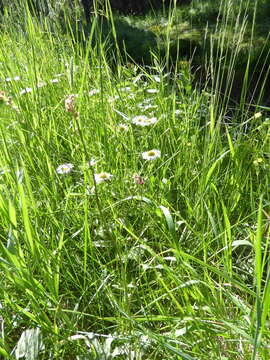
{"points": [[7, 100], [69, 105], [143, 120], [65, 168]]}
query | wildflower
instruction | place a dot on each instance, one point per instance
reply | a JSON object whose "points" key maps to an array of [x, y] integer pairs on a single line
{"points": [[69, 105], [25, 91], [92, 162], [94, 92], [122, 128], [16, 78], [104, 176], [151, 154], [127, 88], [156, 78], [113, 98], [53, 81], [143, 120], [152, 91], [147, 107], [2, 96], [8, 101], [257, 115], [258, 161], [41, 84], [138, 179], [4, 171], [64, 168]]}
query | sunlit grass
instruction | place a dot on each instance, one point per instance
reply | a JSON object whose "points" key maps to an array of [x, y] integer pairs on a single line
{"points": [[134, 211]]}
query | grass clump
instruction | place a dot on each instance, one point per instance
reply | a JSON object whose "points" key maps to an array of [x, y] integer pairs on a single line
{"points": [[134, 212]]}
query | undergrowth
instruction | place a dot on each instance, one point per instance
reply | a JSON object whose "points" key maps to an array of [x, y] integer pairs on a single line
{"points": [[134, 206]]}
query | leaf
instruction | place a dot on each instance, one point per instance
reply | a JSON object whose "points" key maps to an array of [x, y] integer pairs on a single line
{"points": [[237, 243], [29, 344], [211, 170], [169, 220]]}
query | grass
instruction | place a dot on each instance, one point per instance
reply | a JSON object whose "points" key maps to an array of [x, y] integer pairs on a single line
{"points": [[168, 257]]}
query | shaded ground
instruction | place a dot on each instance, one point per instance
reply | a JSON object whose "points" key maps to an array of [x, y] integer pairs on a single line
{"points": [[194, 31]]}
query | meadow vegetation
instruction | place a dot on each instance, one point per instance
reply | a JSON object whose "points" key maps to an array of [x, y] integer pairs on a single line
{"points": [[134, 204]]}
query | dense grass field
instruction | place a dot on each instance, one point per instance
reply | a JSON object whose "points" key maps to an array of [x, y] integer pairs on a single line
{"points": [[134, 205]]}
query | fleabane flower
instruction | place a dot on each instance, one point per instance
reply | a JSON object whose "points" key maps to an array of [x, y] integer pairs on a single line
{"points": [[64, 168], [151, 154], [143, 120], [103, 176], [122, 128]]}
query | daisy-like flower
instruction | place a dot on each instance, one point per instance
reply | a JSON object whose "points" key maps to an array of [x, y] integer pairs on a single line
{"points": [[122, 128], [103, 176], [143, 120], [64, 168], [151, 154]]}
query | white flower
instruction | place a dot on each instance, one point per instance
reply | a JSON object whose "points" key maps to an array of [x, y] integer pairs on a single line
{"points": [[152, 91], [4, 171], [53, 81], [127, 88], [147, 107], [41, 84], [94, 92], [16, 78], [103, 176], [69, 103], [92, 162], [257, 115], [64, 168], [143, 120], [25, 91], [151, 154], [122, 127]]}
